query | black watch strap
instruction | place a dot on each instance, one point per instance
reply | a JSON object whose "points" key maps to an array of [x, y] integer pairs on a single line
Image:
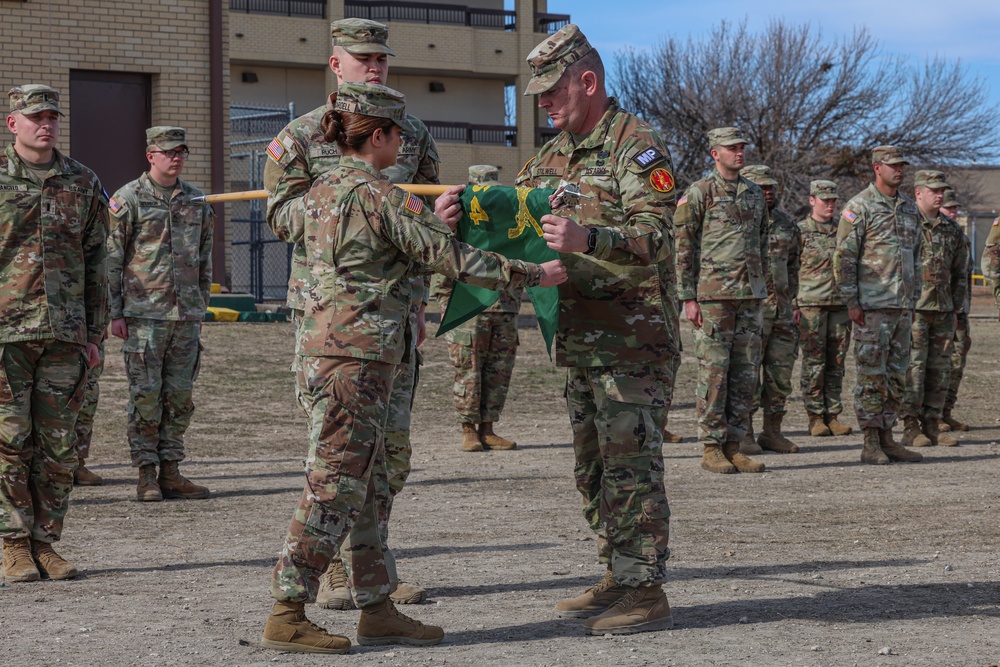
{"points": [[591, 241]]}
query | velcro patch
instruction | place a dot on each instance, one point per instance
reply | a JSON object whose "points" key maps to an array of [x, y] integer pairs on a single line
{"points": [[996, 222], [648, 157], [850, 215], [413, 204], [661, 180], [276, 150], [114, 205], [683, 200]]}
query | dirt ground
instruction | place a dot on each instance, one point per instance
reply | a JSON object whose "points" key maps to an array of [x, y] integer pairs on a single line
{"points": [[819, 561]]}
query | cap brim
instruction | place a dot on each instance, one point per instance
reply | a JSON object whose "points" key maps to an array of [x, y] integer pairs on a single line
{"points": [[39, 108], [826, 197], [367, 48], [170, 145], [733, 142], [895, 161], [538, 85], [405, 125]]}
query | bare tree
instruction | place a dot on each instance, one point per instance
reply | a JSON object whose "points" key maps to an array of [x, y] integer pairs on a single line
{"points": [[813, 107]]}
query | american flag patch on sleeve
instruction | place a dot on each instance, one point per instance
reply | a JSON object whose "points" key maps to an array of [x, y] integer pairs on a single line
{"points": [[275, 150], [114, 205], [683, 200], [850, 215], [413, 204]]}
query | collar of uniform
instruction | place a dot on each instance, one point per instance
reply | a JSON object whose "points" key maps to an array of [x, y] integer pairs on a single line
{"points": [[352, 162], [740, 183], [930, 222], [892, 202], [329, 102], [147, 183], [815, 225], [20, 169], [596, 136]]}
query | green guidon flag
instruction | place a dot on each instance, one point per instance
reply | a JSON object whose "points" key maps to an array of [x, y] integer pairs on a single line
{"points": [[506, 221]]}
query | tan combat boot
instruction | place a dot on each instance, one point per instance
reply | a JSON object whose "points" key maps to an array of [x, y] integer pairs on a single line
{"points": [[382, 623], [670, 437], [912, 435], [818, 427], [871, 448], [491, 440], [148, 489], [470, 438], [772, 438], [407, 593], [334, 590], [713, 460], [740, 461], [18, 565], [175, 485], [288, 629], [749, 444], [84, 477], [897, 452], [641, 609], [836, 427], [50, 564], [933, 433], [595, 600], [952, 423]]}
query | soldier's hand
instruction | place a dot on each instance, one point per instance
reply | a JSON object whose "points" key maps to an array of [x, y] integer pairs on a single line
{"points": [[564, 235], [693, 312], [796, 316], [553, 273], [448, 206], [857, 315], [93, 355], [118, 328]]}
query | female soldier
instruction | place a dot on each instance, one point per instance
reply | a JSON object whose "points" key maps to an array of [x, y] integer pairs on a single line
{"points": [[364, 238]]}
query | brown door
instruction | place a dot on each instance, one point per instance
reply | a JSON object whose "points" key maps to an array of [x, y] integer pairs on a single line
{"points": [[110, 112]]}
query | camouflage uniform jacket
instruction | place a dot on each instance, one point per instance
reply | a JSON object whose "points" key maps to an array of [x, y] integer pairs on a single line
{"points": [[878, 246], [817, 286], [966, 306], [784, 252], [53, 259], [944, 263], [509, 301], [722, 242], [365, 239], [300, 154], [991, 260], [160, 252], [616, 308]]}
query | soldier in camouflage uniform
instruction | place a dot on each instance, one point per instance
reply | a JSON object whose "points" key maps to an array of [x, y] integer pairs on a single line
{"points": [[878, 246], [721, 226], [160, 277], [824, 325], [617, 334], [944, 262], [298, 156], [963, 338], [52, 318], [365, 239], [83, 476], [990, 262], [482, 350], [780, 335]]}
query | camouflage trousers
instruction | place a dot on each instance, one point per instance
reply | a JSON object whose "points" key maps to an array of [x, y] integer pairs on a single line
{"points": [[779, 347], [617, 415], [824, 336], [929, 374], [162, 359], [483, 351], [882, 353], [346, 489], [85, 421], [728, 347], [41, 391], [963, 343]]}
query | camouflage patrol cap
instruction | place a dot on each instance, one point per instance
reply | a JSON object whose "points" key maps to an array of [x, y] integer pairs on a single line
{"points": [[165, 137], [823, 189], [950, 199], [372, 99], [484, 174], [360, 36], [929, 178], [32, 98], [759, 174], [550, 59], [726, 136], [888, 155]]}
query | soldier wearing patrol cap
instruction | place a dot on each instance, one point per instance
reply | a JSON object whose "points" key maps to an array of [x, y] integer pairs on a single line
{"points": [[963, 338], [824, 325], [721, 229], [617, 332], [876, 265], [53, 314], [160, 277], [298, 156], [779, 336], [944, 263]]}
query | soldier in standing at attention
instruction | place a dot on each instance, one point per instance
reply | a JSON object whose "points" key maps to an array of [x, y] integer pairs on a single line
{"points": [[160, 277], [298, 156], [617, 333], [824, 325], [721, 226], [990, 262], [482, 350], [963, 338], [876, 268], [780, 335], [53, 314], [944, 264]]}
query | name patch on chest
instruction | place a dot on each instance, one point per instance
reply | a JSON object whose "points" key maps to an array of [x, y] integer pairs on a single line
{"points": [[7, 187], [76, 189], [595, 171], [546, 171]]}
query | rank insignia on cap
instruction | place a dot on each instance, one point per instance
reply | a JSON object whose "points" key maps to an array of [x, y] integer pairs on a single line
{"points": [[413, 204], [114, 205], [275, 150], [661, 180], [683, 200], [850, 215]]}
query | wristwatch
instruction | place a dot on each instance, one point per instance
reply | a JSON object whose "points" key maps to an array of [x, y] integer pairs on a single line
{"points": [[591, 242]]}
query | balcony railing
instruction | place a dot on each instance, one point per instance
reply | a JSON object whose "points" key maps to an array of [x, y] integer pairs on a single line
{"points": [[303, 8], [428, 12], [467, 133], [550, 23]]}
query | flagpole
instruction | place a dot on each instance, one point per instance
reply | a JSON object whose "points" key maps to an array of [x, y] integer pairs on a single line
{"points": [[418, 189]]}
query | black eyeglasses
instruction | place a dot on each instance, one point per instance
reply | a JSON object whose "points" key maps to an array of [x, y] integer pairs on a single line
{"points": [[182, 153]]}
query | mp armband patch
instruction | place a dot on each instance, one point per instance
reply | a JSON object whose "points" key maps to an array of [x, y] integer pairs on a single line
{"points": [[647, 158]]}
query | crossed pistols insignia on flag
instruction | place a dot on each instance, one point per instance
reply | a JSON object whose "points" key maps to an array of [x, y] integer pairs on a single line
{"points": [[523, 217]]}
